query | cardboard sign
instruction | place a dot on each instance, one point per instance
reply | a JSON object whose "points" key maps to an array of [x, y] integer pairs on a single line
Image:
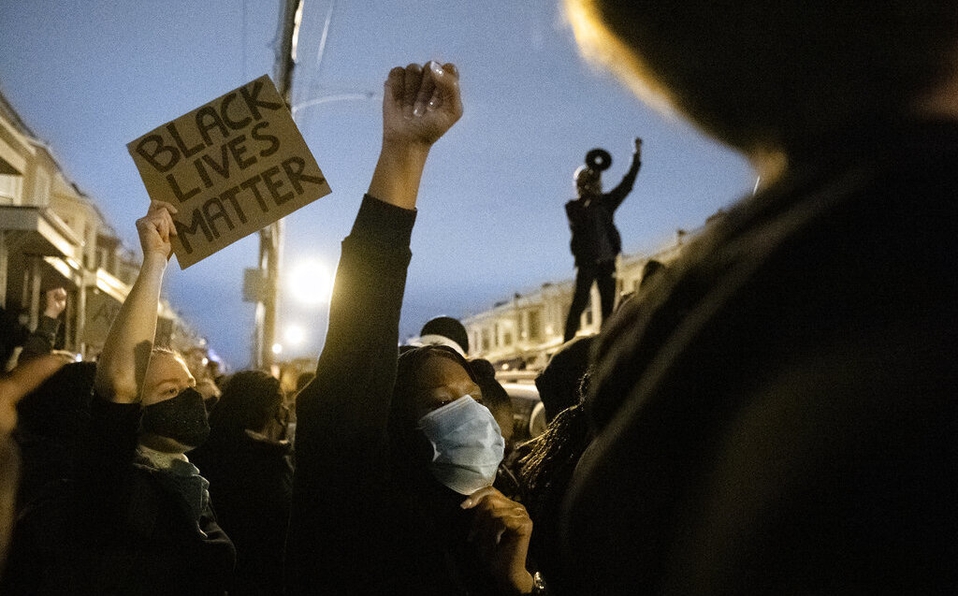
{"points": [[101, 309], [231, 168]]}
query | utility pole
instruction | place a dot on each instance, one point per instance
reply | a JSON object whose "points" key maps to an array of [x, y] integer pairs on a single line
{"points": [[271, 237]]}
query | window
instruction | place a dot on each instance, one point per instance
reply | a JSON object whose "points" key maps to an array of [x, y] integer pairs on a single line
{"points": [[535, 326], [101, 258], [11, 189]]}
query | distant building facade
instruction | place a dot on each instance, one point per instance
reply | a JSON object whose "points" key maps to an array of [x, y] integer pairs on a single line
{"points": [[53, 235], [522, 333]]}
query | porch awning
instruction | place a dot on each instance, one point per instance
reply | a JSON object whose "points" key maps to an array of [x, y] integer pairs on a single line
{"points": [[43, 233]]}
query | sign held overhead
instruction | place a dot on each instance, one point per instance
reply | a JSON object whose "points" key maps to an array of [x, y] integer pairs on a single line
{"points": [[231, 167]]}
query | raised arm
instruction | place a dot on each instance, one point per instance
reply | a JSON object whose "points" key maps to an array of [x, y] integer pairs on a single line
{"points": [[22, 380], [420, 103], [618, 194], [342, 415], [126, 352], [42, 339]]}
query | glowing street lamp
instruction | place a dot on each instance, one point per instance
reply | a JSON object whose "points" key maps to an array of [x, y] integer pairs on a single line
{"points": [[310, 283], [295, 335]]}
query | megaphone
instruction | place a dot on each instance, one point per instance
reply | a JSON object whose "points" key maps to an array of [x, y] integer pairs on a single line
{"points": [[598, 160]]}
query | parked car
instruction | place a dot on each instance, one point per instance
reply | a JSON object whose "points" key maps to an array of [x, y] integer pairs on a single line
{"points": [[525, 398]]}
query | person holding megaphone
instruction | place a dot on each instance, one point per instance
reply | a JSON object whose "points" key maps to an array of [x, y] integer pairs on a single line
{"points": [[596, 242]]}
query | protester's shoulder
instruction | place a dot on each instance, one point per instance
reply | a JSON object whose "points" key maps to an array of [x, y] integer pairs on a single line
{"points": [[262, 455]]}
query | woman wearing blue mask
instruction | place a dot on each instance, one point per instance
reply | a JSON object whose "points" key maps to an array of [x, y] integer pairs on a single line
{"points": [[395, 456]]}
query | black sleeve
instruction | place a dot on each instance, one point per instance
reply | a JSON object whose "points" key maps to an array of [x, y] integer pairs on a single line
{"points": [[42, 339], [615, 196], [339, 483], [113, 432]]}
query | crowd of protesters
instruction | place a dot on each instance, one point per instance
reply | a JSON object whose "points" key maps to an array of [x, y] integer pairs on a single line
{"points": [[773, 412]]}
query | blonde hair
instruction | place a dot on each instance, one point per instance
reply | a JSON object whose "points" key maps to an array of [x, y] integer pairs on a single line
{"points": [[603, 50]]}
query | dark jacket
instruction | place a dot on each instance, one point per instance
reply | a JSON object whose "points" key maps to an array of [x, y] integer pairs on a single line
{"points": [[591, 221], [251, 481], [117, 527], [42, 340], [778, 415]]}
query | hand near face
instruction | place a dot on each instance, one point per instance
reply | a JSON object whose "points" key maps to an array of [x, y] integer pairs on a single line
{"points": [[501, 530]]}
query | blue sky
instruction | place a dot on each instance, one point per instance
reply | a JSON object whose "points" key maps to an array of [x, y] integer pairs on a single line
{"points": [[90, 76]]}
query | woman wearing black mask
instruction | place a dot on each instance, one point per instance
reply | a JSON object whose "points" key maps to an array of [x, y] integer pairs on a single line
{"points": [[150, 401], [138, 520]]}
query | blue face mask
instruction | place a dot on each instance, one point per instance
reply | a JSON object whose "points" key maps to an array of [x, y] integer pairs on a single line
{"points": [[467, 445]]}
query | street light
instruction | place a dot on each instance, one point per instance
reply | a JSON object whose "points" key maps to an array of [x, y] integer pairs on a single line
{"points": [[310, 283], [295, 335]]}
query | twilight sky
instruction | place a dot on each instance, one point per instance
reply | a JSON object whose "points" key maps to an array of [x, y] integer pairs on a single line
{"points": [[89, 76]]}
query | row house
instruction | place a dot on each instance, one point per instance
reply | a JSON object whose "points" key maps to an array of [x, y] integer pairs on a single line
{"points": [[53, 235], [521, 334]]}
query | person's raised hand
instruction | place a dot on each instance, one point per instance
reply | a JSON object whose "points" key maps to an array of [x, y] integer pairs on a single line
{"points": [[420, 103], [501, 530], [155, 229], [56, 302]]}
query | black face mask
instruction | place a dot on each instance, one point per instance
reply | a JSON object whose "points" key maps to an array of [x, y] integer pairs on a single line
{"points": [[181, 418]]}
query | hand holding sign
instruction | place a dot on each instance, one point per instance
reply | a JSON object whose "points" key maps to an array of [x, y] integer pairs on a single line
{"points": [[230, 168], [155, 229]]}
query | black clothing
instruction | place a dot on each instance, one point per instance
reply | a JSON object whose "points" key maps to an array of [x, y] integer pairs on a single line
{"points": [[545, 470], [595, 245], [53, 431], [251, 480], [42, 340], [603, 275], [12, 334], [358, 524], [778, 415], [120, 526]]}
